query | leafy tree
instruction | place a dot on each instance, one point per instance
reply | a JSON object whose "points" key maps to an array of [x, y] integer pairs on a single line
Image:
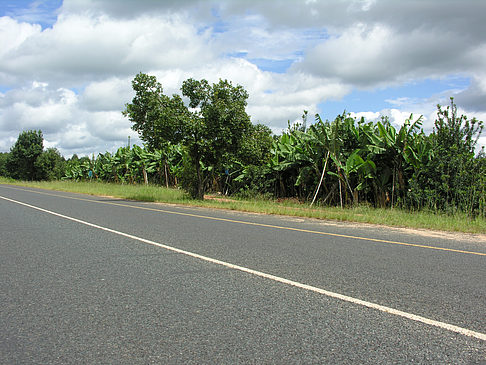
{"points": [[157, 118], [450, 178], [218, 124], [3, 163], [50, 165], [256, 146], [211, 126], [23, 155]]}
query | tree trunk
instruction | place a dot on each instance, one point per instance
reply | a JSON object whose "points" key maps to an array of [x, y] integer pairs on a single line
{"points": [[166, 175], [340, 189], [200, 182], [322, 178], [145, 177]]}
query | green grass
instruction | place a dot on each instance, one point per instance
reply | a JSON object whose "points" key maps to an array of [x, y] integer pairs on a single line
{"points": [[360, 214], [148, 193]]}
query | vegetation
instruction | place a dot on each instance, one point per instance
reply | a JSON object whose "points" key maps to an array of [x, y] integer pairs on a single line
{"points": [[3, 163], [211, 127], [209, 145], [347, 162], [451, 179], [27, 159], [458, 222], [23, 155]]}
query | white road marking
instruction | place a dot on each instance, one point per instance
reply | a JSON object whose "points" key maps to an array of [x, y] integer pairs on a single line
{"points": [[382, 308]]}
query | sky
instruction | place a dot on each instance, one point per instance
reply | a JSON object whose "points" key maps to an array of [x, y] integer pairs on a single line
{"points": [[66, 66]]}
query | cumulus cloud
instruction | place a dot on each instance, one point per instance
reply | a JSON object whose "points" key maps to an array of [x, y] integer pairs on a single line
{"points": [[374, 56], [274, 98], [109, 94], [37, 107], [65, 122], [13, 33], [133, 8], [80, 48], [473, 98]]}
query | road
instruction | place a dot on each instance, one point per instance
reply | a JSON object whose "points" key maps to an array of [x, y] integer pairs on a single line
{"points": [[88, 280]]}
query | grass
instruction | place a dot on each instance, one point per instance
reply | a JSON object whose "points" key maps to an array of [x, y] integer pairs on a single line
{"points": [[290, 207]]}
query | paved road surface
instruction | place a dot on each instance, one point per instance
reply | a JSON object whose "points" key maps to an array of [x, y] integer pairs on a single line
{"points": [[263, 289]]}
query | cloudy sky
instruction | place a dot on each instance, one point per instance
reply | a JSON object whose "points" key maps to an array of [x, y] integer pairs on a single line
{"points": [[66, 65]]}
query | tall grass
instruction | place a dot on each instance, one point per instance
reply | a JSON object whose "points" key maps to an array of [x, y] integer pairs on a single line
{"points": [[361, 214]]}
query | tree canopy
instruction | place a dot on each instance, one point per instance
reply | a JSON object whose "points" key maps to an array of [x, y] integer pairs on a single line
{"points": [[27, 159], [211, 127], [23, 155]]}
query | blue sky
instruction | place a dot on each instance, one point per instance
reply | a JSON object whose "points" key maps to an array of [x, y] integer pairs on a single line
{"points": [[35, 12], [66, 65], [388, 97]]}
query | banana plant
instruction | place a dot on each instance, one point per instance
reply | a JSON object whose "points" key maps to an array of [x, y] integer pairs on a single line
{"points": [[401, 150], [139, 162]]}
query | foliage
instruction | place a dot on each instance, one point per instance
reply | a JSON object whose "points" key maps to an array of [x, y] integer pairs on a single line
{"points": [[23, 155], [211, 126], [3, 163], [50, 165], [158, 118], [452, 178], [348, 161], [255, 146], [210, 145], [128, 166]]}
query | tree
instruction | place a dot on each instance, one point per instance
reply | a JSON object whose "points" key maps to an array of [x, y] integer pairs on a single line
{"points": [[211, 126], [23, 155], [3, 163], [218, 123], [160, 120], [50, 165], [450, 178], [256, 146], [156, 117]]}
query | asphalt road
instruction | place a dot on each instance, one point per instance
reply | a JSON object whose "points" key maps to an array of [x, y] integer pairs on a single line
{"points": [[73, 293]]}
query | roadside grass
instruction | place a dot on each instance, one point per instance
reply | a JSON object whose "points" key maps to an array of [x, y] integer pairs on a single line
{"points": [[148, 193], [290, 207]]}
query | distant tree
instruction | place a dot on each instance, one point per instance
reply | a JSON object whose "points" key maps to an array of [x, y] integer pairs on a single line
{"points": [[23, 155], [211, 127], [449, 181], [50, 165], [256, 146], [3, 163]]}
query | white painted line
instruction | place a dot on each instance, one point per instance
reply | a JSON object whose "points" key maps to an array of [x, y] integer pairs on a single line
{"points": [[413, 317]]}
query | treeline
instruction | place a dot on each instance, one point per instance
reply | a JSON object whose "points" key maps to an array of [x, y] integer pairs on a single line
{"points": [[210, 146], [347, 162]]}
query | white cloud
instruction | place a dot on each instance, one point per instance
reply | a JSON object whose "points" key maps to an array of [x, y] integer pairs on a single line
{"points": [[274, 98], [36, 107], [377, 55], [106, 95], [80, 48], [367, 115], [13, 34], [65, 122]]}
